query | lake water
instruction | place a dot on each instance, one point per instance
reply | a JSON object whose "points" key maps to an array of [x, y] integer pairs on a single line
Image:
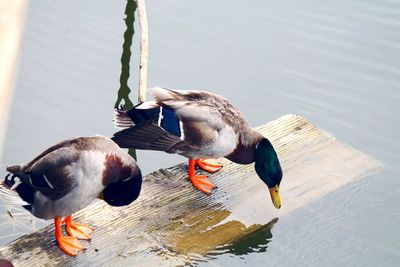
{"points": [[336, 63]]}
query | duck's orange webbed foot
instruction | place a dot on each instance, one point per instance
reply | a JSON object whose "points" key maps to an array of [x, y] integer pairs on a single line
{"points": [[77, 230], [68, 244], [201, 182], [209, 165]]}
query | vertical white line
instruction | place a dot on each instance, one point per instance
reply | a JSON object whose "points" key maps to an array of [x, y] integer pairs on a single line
{"points": [[160, 116], [182, 131], [144, 50]]}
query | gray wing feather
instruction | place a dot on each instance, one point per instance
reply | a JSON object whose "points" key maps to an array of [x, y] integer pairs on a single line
{"points": [[147, 136], [50, 175]]}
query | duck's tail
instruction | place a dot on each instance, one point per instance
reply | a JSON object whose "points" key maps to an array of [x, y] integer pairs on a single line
{"points": [[10, 189], [121, 119], [125, 119], [149, 112]]}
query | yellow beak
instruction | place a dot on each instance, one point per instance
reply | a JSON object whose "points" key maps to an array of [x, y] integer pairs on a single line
{"points": [[276, 199]]}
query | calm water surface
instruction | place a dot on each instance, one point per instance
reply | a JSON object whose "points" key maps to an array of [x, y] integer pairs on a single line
{"points": [[336, 63]]}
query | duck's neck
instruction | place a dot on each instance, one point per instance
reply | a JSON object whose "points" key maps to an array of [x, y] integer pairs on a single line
{"points": [[246, 148]]}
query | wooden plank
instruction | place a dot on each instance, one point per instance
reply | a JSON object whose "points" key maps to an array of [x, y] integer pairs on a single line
{"points": [[12, 13], [172, 223]]}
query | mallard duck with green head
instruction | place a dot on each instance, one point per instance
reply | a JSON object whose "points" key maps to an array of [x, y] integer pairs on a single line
{"points": [[200, 126]]}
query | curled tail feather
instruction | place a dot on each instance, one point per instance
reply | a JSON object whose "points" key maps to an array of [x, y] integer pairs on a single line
{"points": [[137, 115], [8, 194]]}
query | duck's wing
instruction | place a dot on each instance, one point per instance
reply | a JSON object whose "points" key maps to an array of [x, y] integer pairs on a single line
{"points": [[51, 173], [148, 136], [66, 143]]}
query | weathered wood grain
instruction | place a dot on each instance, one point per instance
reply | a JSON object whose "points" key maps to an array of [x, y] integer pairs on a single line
{"points": [[172, 223]]}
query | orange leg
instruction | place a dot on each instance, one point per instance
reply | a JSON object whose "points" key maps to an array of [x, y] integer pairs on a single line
{"points": [[68, 244], [201, 182], [77, 230], [209, 165]]}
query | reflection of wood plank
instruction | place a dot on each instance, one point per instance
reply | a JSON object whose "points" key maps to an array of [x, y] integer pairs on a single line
{"points": [[11, 21], [172, 222]]}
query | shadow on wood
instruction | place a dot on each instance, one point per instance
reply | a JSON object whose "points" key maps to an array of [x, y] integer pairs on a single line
{"points": [[172, 223]]}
